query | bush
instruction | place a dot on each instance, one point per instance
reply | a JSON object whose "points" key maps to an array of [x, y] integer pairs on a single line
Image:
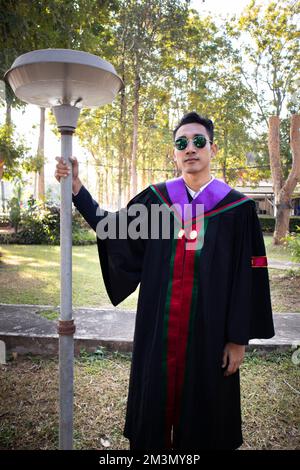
{"points": [[40, 224], [267, 223], [4, 220], [83, 237], [293, 242], [14, 213], [9, 238]]}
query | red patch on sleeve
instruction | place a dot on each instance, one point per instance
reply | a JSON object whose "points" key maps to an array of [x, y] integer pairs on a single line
{"points": [[259, 262]]}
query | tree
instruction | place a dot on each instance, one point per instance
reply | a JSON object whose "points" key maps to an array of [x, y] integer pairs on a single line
{"points": [[12, 154], [97, 132], [141, 30], [209, 82], [283, 189], [27, 26], [188, 65], [271, 53], [274, 53]]}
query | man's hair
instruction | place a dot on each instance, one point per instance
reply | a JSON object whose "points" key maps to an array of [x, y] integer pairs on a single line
{"points": [[195, 117]]}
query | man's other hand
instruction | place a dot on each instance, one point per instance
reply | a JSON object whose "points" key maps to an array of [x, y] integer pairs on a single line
{"points": [[233, 357]]}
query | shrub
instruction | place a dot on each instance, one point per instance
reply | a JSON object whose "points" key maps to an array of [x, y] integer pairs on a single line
{"points": [[83, 237], [293, 242], [14, 213], [267, 223], [4, 220], [40, 224]]}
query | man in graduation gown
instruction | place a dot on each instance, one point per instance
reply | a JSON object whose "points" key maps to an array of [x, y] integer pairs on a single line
{"points": [[204, 293]]}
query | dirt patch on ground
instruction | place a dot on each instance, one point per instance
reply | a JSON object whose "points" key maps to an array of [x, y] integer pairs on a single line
{"points": [[285, 290]]}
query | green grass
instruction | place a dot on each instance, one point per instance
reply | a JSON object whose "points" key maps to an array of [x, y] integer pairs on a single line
{"points": [[278, 253], [30, 274], [270, 387], [49, 314]]}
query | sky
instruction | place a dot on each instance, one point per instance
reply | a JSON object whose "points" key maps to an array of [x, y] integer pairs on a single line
{"points": [[222, 7]]}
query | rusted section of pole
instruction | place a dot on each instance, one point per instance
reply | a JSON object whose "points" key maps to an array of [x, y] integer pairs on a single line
{"points": [[66, 327]]}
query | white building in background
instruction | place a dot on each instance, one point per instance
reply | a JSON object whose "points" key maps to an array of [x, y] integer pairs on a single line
{"points": [[263, 196]]}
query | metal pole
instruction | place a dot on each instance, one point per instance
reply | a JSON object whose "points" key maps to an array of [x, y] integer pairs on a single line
{"points": [[66, 117]]}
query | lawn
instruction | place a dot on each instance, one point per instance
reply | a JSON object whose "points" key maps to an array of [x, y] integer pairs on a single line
{"points": [[29, 406], [276, 252], [30, 275]]}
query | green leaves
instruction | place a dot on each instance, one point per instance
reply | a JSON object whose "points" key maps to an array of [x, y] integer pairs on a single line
{"points": [[270, 41], [236, 72], [12, 151]]}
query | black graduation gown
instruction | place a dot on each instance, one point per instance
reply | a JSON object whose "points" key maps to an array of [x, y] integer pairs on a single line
{"points": [[231, 303]]}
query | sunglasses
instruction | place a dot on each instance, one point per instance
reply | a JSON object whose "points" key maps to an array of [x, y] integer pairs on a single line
{"points": [[199, 141]]}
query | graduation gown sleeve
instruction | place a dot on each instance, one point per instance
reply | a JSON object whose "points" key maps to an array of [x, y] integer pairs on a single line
{"points": [[121, 259], [250, 311]]}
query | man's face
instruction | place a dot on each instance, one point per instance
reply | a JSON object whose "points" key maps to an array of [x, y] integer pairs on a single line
{"points": [[193, 159]]}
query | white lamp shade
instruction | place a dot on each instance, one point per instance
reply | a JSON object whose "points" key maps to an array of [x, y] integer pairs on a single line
{"points": [[50, 77]]}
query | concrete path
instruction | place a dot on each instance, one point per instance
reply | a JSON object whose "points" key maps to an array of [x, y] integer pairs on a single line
{"points": [[24, 330], [276, 264]]}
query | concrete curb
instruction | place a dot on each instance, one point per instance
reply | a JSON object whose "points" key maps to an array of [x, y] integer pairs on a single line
{"points": [[25, 331], [47, 345]]}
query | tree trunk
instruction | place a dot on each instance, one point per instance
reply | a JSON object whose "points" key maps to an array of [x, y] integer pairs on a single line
{"points": [[283, 191], [137, 84], [40, 152], [224, 166], [8, 114], [126, 180], [144, 171], [8, 123], [35, 184], [107, 194], [274, 155], [1, 167], [224, 172], [99, 186], [2, 195], [294, 176], [122, 135], [166, 164], [122, 142], [281, 209]]}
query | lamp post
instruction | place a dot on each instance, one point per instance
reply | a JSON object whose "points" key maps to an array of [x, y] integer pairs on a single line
{"points": [[64, 80]]}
